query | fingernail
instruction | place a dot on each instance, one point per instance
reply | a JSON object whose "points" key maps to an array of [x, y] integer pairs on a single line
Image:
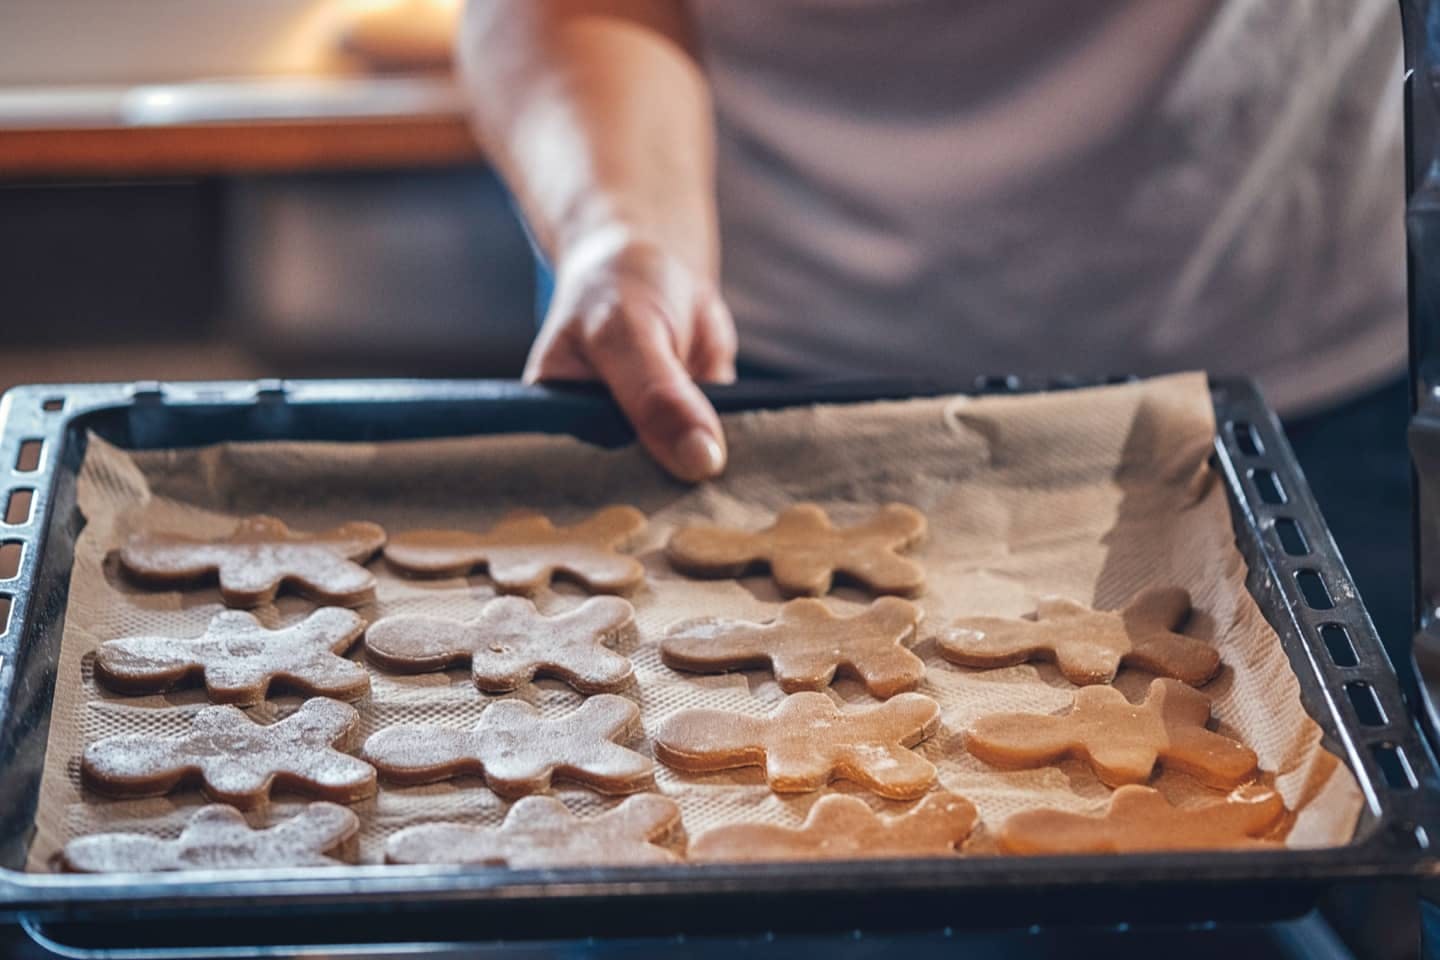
{"points": [[699, 455]]}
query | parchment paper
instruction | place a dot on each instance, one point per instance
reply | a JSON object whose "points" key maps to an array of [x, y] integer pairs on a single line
{"points": [[1092, 494]]}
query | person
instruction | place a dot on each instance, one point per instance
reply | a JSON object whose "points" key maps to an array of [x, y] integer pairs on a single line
{"points": [[949, 188]]}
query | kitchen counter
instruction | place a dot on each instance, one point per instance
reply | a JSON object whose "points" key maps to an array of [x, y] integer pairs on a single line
{"points": [[233, 127]]}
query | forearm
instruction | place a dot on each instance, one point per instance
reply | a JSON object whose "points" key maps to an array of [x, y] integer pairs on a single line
{"points": [[597, 113]]}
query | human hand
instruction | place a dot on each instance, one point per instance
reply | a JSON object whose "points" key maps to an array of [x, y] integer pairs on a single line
{"points": [[634, 316]]}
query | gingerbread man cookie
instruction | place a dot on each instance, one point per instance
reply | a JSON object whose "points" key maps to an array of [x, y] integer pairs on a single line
{"points": [[260, 556], [524, 550], [807, 741], [804, 552], [542, 832], [511, 643], [218, 838], [805, 645], [1122, 742], [1089, 645], [1141, 820], [237, 659], [236, 760], [845, 828], [518, 752]]}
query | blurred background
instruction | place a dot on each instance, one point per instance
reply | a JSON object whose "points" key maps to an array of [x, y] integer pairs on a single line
{"points": [[208, 189]]}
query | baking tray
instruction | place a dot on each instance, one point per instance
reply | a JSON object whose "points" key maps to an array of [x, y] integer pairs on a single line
{"points": [[1295, 574]]}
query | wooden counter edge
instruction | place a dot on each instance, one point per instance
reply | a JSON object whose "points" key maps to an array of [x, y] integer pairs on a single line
{"points": [[235, 148]]}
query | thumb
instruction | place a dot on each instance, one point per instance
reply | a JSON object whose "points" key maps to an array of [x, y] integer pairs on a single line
{"points": [[671, 417]]}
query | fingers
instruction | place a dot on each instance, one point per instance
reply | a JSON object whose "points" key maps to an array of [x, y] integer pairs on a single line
{"points": [[713, 346], [634, 353], [628, 313], [555, 355]]}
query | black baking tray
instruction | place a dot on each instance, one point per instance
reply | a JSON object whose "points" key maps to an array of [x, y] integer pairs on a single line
{"points": [[1295, 574]]}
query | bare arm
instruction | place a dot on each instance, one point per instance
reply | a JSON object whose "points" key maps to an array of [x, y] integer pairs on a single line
{"points": [[598, 115]]}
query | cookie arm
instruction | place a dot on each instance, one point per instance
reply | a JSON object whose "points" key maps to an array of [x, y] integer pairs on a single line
{"points": [[712, 551], [410, 643], [119, 852], [447, 843], [989, 642], [1019, 740], [701, 741], [411, 754], [165, 560], [145, 664], [711, 645], [133, 765], [436, 553]]}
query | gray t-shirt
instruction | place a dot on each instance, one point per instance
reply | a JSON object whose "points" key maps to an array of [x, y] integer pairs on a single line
{"points": [[957, 187]]}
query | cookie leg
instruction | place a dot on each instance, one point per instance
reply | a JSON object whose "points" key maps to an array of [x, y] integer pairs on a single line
{"points": [[1214, 760], [244, 583], [598, 671], [332, 579], [1119, 763], [1085, 663], [603, 572], [889, 770], [888, 671], [1172, 655], [886, 572]]}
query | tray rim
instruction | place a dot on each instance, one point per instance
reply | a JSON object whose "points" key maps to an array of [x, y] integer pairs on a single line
{"points": [[1378, 855]]}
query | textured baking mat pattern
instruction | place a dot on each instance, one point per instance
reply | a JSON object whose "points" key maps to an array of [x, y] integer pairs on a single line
{"points": [[1091, 494]]}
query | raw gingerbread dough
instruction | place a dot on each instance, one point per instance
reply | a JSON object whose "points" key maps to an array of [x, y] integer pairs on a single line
{"points": [[218, 838], [804, 552], [236, 760], [511, 643], [260, 556], [807, 741], [237, 659], [524, 550], [1089, 645], [845, 828], [518, 752], [542, 832], [805, 645], [1140, 820], [1122, 742]]}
